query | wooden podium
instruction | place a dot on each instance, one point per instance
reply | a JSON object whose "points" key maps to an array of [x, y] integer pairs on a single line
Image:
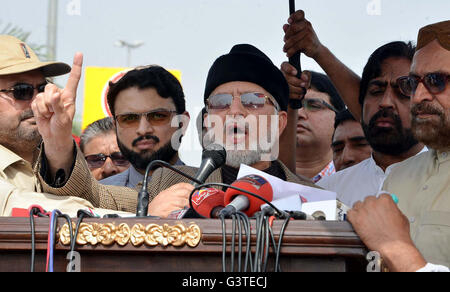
{"points": [[176, 245]]}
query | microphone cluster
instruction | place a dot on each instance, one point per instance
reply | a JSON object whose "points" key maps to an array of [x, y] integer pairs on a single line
{"points": [[241, 200], [247, 195]]}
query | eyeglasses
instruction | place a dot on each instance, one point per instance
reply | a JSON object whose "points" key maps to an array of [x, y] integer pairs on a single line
{"points": [[250, 101], [155, 118], [24, 91], [435, 83], [98, 160], [314, 105]]}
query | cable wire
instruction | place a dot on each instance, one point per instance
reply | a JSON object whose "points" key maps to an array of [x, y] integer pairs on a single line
{"points": [[280, 240], [52, 237], [49, 263], [247, 229], [34, 211], [274, 248], [258, 241], [69, 223], [240, 219], [224, 244], [205, 185], [267, 243], [33, 243], [233, 242], [240, 223], [167, 165], [81, 215]]}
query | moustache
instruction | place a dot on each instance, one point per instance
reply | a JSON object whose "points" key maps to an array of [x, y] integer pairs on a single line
{"points": [[385, 113], [146, 137], [26, 115], [425, 108]]}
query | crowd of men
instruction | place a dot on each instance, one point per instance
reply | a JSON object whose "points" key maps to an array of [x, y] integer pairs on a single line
{"points": [[365, 138]]}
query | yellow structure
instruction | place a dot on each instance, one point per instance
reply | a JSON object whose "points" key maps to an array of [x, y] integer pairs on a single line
{"points": [[96, 90]]}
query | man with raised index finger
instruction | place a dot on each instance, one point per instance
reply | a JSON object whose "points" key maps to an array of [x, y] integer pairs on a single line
{"points": [[144, 103], [169, 192], [22, 78]]}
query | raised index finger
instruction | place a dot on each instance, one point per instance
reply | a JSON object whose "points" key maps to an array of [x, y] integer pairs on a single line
{"points": [[75, 74]]}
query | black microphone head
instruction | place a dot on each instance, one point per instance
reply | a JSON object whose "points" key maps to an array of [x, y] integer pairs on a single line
{"points": [[216, 153], [213, 157]]}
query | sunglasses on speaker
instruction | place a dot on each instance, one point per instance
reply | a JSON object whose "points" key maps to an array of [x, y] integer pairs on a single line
{"points": [[98, 160], [250, 101], [24, 91], [434, 82], [155, 118]]}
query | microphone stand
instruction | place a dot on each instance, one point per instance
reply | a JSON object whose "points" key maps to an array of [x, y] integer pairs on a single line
{"points": [[143, 195]]}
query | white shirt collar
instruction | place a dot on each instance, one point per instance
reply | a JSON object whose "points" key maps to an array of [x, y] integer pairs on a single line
{"points": [[379, 170]]}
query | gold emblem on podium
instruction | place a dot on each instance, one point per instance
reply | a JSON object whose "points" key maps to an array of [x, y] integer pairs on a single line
{"points": [[150, 235]]}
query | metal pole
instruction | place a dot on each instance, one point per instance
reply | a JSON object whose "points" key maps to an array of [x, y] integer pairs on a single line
{"points": [[52, 25], [128, 56], [129, 47], [295, 59]]}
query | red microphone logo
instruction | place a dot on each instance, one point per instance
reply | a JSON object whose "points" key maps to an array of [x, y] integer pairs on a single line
{"points": [[255, 184]]}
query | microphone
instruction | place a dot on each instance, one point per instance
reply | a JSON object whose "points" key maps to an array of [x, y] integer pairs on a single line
{"points": [[208, 202], [213, 157], [239, 201]]}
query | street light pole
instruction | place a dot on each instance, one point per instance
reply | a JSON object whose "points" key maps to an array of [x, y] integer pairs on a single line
{"points": [[52, 25], [128, 56], [129, 47]]}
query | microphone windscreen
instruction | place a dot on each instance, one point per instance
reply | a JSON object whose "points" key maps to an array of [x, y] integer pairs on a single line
{"points": [[252, 183], [205, 200], [216, 153]]}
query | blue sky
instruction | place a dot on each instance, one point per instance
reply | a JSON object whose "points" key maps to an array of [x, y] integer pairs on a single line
{"points": [[190, 35]]}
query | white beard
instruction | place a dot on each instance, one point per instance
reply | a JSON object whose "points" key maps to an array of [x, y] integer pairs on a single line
{"points": [[241, 153], [237, 157]]}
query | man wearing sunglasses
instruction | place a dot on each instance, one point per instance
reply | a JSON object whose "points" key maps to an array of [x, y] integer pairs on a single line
{"points": [[417, 231], [386, 123], [375, 100], [99, 146], [245, 95], [22, 77], [149, 113], [240, 84], [144, 102]]}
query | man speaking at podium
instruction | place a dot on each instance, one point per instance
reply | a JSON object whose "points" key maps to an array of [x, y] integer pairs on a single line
{"points": [[243, 88], [242, 84]]}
